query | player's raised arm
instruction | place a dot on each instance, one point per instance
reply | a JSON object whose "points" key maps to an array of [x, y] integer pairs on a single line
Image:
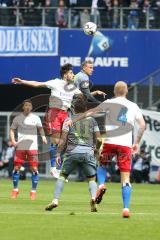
{"points": [[89, 95], [86, 114], [28, 83], [98, 92]]}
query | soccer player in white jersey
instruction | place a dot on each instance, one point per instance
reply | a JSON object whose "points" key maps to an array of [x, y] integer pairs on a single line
{"points": [[121, 115], [26, 125], [62, 92]]}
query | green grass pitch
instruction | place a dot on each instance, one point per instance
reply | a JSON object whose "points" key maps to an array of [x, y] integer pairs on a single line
{"points": [[22, 219]]}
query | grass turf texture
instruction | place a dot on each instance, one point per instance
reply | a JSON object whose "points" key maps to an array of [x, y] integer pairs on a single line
{"points": [[23, 219]]}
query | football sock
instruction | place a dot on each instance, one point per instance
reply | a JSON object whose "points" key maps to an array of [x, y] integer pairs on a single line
{"points": [[126, 194], [92, 185], [101, 175], [59, 187], [35, 179], [53, 152], [15, 179]]}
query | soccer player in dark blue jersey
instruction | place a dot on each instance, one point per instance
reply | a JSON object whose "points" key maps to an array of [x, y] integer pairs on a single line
{"points": [[82, 82]]}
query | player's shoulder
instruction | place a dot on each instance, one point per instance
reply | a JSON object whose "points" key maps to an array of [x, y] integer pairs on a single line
{"points": [[81, 76], [92, 120], [17, 117], [34, 116], [132, 104], [57, 80]]}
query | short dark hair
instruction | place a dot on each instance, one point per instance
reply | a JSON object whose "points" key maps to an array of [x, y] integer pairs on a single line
{"points": [[84, 63], [27, 101], [65, 68], [80, 103]]}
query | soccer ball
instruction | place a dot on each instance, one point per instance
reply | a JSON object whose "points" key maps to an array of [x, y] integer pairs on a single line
{"points": [[90, 28]]}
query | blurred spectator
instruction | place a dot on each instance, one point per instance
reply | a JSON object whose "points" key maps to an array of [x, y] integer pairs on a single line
{"points": [[141, 166], [133, 15], [115, 14], [75, 16], [146, 168], [157, 14], [61, 16], [125, 3], [137, 168], [52, 3], [50, 13], [6, 13], [7, 157], [148, 11], [84, 3], [143, 13], [18, 13], [95, 14], [84, 17], [105, 13], [31, 14]]}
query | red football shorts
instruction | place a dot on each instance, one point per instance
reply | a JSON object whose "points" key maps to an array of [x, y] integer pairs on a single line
{"points": [[26, 155], [123, 155], [54, 119]]}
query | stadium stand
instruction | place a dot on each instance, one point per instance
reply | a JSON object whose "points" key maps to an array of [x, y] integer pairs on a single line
{"points": [[140, 14]]}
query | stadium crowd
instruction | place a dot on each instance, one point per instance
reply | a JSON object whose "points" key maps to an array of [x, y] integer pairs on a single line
{"points": [[65, 13]]}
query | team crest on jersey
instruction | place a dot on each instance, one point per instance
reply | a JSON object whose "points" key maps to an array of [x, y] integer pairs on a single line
{"points": [[69, 87], [85, 84]]}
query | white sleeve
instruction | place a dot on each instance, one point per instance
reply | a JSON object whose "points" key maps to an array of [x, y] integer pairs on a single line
{"points": [[103, 105], [14, 124], [52, 84], [96, 129], [138, 112], [77, 91], [39, 123], [95, 124]]}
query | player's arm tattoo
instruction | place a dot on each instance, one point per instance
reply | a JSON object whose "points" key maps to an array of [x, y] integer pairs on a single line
{"points": [[139, 134], [141, 130]]}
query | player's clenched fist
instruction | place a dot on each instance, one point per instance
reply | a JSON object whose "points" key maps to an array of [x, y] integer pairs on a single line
{"points": [[16, 80]]}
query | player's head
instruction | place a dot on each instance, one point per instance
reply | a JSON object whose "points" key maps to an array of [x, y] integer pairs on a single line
{"points": [[80, 103], [27, 106], [66, 72], [120, 89], [87, 67]]}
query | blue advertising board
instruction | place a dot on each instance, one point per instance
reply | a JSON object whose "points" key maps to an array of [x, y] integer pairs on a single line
{"points": [[117, 55], [28, 41]]}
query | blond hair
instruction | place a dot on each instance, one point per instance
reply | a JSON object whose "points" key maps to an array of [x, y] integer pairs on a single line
{"points": [[120, 88]]}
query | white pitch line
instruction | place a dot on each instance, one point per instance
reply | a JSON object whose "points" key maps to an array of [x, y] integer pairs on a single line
{"points": [[75, 213]]}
